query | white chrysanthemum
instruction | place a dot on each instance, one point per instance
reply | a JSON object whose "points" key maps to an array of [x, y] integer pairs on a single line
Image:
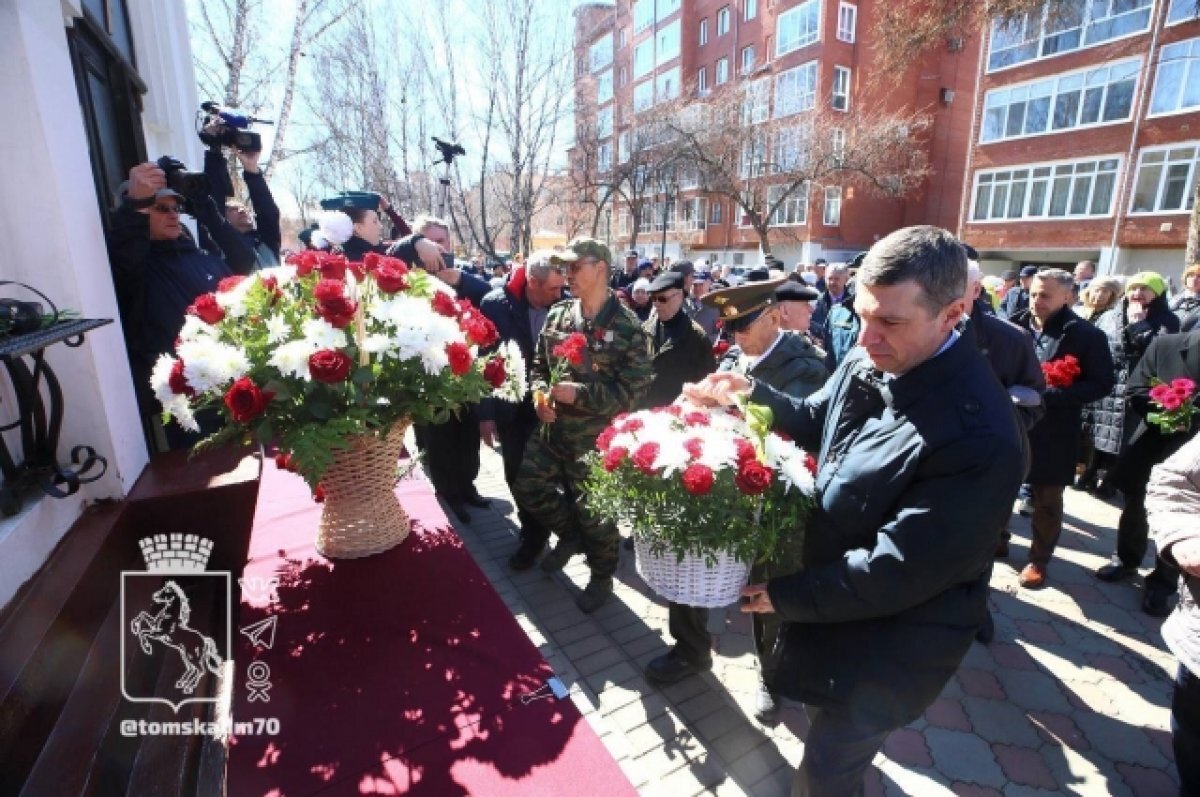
{"points": [[282, 274], [335, 226], [626, 440], [291, 359], [796, 475], [672, 456], [194, 328], [377, 344], [277, 329], [208, 364], [160, 379], [233, 301], [434, 360], [179, 409], [322, 334], [718, 451], [515, 386], [778, 451]]}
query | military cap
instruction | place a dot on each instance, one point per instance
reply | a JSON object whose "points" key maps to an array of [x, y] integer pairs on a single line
{"points": [[792, 291], [857, 260], [740, 306], [645, 262], [758, 275], [666, 281], [305, 235], [350, 200], [683, 267], [582, 247], [1029, 271]]}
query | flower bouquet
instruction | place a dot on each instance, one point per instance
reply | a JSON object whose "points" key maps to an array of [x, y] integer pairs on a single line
{"points": [[332, 360], [1062, 372], [706, 492], [1176, 403]]}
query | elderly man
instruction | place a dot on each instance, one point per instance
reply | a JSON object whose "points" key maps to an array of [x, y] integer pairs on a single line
{"points": [[678, 346], [1085, 272], [615, 372], [795, 305], [919, 455], [623, 279]]}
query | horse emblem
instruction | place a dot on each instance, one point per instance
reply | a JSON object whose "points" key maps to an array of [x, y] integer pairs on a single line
{"points": [[169, 626]]}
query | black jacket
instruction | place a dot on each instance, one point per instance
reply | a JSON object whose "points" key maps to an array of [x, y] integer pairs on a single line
{"points": [[1127, 343], [1054, 442], [357, 248], [794, 366], [1187, 309], [914, 479], [1010, 353], [469, 287], [508, 309], [681, 353], [1015, 302]]}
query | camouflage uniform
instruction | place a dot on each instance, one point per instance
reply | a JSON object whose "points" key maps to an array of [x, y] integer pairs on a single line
{"points": [[615, 373]]}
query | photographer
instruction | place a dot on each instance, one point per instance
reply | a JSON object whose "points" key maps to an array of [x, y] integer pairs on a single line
{"points": [[158, 270], [264, 238]]}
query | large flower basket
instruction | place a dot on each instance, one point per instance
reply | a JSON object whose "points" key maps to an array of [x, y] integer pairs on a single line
{"points": [[361, 515], [691, 580]]}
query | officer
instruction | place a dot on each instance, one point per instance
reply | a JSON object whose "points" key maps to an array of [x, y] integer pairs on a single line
{"points": [[678, 346], [366, 231], [614, 374]]}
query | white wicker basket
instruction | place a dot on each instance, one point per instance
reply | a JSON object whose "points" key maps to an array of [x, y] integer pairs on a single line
{"points": [[691, 582]]}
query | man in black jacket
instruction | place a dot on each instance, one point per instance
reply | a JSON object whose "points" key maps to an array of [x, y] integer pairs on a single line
{"points": [[1016, 301], [919, 455], [678, 346], [261, 229]]}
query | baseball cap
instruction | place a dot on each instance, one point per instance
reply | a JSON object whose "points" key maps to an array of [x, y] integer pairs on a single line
{"points": [[580, 248]]}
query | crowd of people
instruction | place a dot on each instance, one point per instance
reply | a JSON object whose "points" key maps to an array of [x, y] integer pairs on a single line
{"points": [[918, 383]]}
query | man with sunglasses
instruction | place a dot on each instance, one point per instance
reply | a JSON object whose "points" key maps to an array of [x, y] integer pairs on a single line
{"points": [[611, 377], [678, 346]]}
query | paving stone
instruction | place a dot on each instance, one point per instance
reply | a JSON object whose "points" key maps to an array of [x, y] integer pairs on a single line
{"points": [[979, 683], [1033, 691], [964, 756], [696, 777], [701, 705], [1012, 656], [718, 723], [1024, 765], [1148, 782], [1117, 667], [598, 660], [980, 658], [778, 782], [946, 713], [1059, 729], [618, 673], [1038, 632], [687, 688], [738, 741], [1086, 593], [907, 746], [974, 790], [1118, 741], [1112, 616], [637, 713], [1000, 721], [755, 765], [1093, 774]]}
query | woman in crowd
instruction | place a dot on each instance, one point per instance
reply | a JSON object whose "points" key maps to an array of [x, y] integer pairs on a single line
{"points": [[1099, 297], [1187, 304], [640, 298]]}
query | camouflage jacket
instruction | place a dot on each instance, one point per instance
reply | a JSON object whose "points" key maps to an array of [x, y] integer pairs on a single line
{"points": [[616, 369]]}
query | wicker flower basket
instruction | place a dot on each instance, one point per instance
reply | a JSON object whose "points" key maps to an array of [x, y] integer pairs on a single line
{"points": [[361, 515], [691, 582]]}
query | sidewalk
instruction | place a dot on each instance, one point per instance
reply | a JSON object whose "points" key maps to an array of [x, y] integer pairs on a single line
{"points": [[1071, 697]]}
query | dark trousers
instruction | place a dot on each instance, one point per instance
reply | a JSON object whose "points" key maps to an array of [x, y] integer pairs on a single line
{"points": [[513, 429], [688, 625], [451, 451], [1133, 533], [837, 752], [1046, 522], [1185, 731]]}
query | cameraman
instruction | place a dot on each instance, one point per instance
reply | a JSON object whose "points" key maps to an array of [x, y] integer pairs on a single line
{"points": [[265, 238], [158, 270]]}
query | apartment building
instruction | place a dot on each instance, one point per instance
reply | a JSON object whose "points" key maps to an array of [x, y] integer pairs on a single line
{"points": [[1086, 139], [790, 55]]}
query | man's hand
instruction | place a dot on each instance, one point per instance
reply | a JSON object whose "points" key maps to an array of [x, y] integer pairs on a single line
{"points": [[545, 411], [487, 433], [450, 276], [1187, 555], [759, 601], [383, 203], [249, 160], [565, 392], [430, 256], [145, 179], [716, 390]]}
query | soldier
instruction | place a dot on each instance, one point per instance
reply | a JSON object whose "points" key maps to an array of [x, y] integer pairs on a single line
{"points": [[614, 374], [678, 346]]}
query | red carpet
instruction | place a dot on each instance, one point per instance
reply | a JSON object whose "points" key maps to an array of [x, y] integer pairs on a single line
{"points": [[398, 674]]}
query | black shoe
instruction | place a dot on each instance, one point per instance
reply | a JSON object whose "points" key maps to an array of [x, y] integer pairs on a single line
{"points": [[476, 500], [1156, 603], [766, 705], [1025, 508], [987, 631], [526, 555], [1115, 571], [459, 511], [671, 668]]}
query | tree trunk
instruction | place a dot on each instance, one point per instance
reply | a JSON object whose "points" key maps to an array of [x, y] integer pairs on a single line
{"points": [[1192, 254]]}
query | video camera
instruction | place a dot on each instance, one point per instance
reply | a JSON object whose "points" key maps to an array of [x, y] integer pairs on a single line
{"points": [[448, 149], [231, 128], [191, 185]]}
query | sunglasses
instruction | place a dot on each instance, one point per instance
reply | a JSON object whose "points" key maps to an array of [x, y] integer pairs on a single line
{"points": [[175, 209], [663, 298]]}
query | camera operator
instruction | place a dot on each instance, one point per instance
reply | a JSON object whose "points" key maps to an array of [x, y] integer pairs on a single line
{"points": [[265, 237], [158, 270]]}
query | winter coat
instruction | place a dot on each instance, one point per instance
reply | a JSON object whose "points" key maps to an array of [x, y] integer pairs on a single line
{"points": [[357, 248], [266, 238], [1172, 505], [1010, 353], [793, 367], [1054, 441], [1187, 310], [1015, 302], [915, 475], [681, 353], [1127, 343]]}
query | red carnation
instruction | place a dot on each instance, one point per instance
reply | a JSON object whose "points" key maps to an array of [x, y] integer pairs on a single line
{"points": [[460, 358], [333, 267], [390, 279], [229, 283], [745, 450], [495, 372], [632, 425], [305, 262], [643, 458], [720, 347], [444, 305], [694, 446], [206, 308], [614, 457], [698, 479], [281, 460], [329, 366], [696, 419], [479, 329], [371, 260], [246, 401], [319, 494], [1061, 373], [753, 477], [605, 438], [339, 312], [178, 382], [673, 409], [572, 348], [810, 463]]}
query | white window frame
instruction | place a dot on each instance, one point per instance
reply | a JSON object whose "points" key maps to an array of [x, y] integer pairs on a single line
{"points": [[704, 31], [1181, 11], [837, 145], [624, 79], [1190, 63], [839, 92], [721, 72], [641, 19], [665, 8], [723, 21], [1189, 186], [604, 87], [1088, 32], [1029, 178], [831, 212], [999, 104], [702, 87], [747, 68], [623, 147], [604, 122], [847, 22], [750, 10], [802, 80], [753, 159], [604, 157], [807, 31], [622, 39], [600, 54], [793, 212], [643, 59]]}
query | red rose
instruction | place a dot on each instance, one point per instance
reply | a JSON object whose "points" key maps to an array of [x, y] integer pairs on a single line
{"points": [[327, 289], [605, 438], [358, 270], [495, 373], [614, 457], [753, 478], [745, 450], [371, 260], [698, 479], [333, 267], [444, 305], [694, 446], [305, 262], [319, 494], [810, 463], [390, 279], [229, 283], [460, 358], [643, 458], [329, 366], [339, 312], [479, 329], [696, 419], [281, 460], [206, 308], [245, 400], [178, 382]]}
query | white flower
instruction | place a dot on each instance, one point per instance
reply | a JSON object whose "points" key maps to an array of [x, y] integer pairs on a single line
{"points": [[209, 364], [291, 359], [377, 344], [795, 474], [282, 274], [515, 383], [160, 379], [672, 456], [233, 301], [322, 334], [277, 329], [194, 328], [179, 409], [718, 451]]}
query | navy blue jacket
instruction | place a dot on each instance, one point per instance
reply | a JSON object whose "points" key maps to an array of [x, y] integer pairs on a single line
{"points": [[913, 481], [508, 309]]}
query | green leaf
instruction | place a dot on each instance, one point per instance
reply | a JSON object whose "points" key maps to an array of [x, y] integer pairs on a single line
{"points": [[264, 433], [363, 376]]}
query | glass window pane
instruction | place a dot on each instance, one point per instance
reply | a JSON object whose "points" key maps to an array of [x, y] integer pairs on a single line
{"points": [[1091, 106], [1059, 196], [1037, 198], [1000, 200], [993, 124], [1066, 110], [1176, 182], [1016, 119], [1102, 195], [982, 196], [1079, 199], [1037, 115], [1119, 101], [1146, 190], [1016, 200]]}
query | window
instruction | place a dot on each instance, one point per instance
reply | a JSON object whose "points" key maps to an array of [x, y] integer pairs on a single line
{"points": [[791, 148], [600, 54], [756, 103], [1177, 82], [667, 43], [1075, 189], [604, 122], [747, 59], [723, 21], [714, 213], [1073, 25], [839, 97], [791, 211], [796, 90], [623, 147], [751, 9], [643, 95], [604, 157], [666, 85], [643, 58], [847, 21], [837, 145], [722, 70], [622, 40], [643, 15], [604, 87], [798, 27], [1166, 179], [693, 213], [624, 76], [1068, 101], [702, 81], [703, 31], [754, 158], [666, 8], [832, 216], [1181, 10]]}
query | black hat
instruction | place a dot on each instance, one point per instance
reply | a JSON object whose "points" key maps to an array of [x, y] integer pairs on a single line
{"points": [[758, 275], [740, 306], [666, 281], [349, 200], [1008, 275], [684, 267], [1029, 271], [792, 291]]}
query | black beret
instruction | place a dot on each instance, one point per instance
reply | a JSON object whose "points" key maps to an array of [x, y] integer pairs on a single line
{"points": [[792, 291], [758, 275], [684, 267], [666, 281]]}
